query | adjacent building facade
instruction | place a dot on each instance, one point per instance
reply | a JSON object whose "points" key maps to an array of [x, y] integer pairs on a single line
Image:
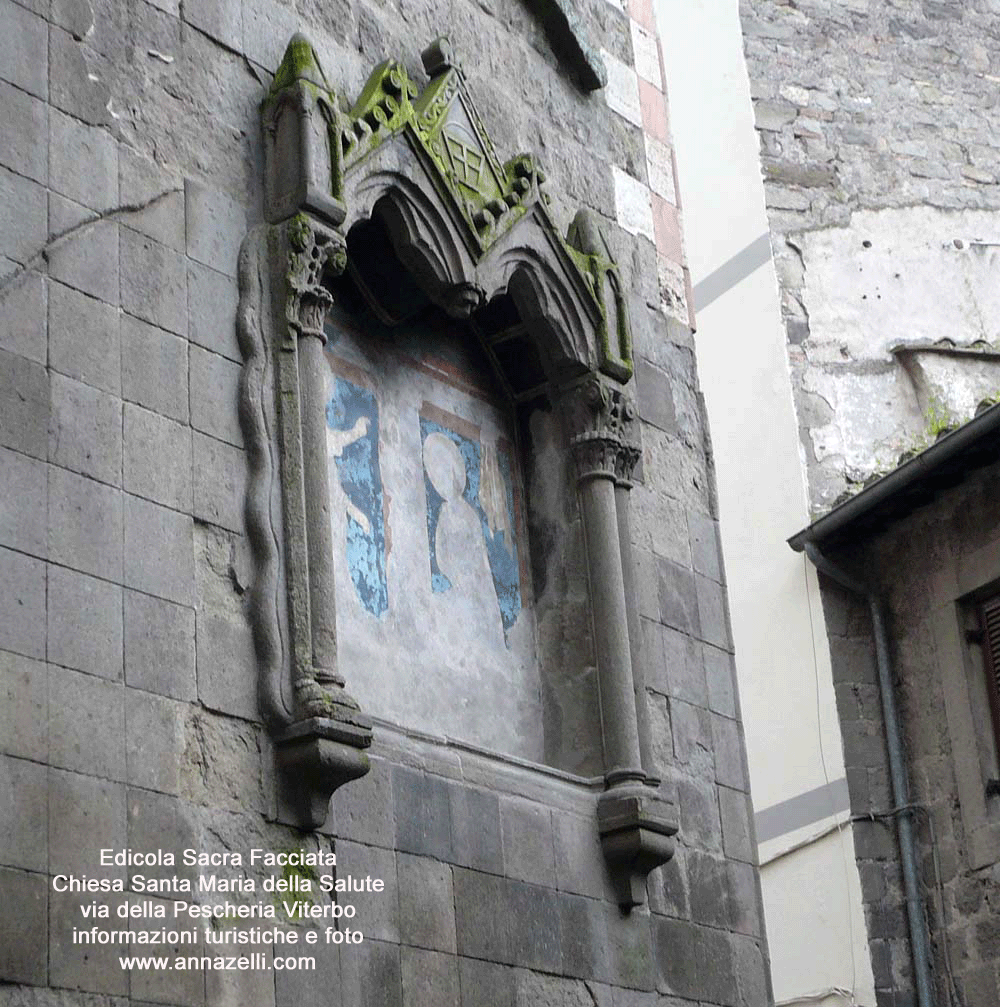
{"points": [[358, 504]]}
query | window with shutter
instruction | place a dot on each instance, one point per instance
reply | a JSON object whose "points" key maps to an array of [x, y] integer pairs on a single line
{"points": [[989, 620]]}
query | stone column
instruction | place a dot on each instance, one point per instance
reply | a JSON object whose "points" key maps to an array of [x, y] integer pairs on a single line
{"points": [[636, 825], [595, 457]]}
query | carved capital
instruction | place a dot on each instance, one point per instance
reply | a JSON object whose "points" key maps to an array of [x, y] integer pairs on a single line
{"points": [[601, 421], [313, 251]]}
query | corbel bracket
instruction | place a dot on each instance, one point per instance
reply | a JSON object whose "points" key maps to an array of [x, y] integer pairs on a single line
{"points": [[637, 827]]}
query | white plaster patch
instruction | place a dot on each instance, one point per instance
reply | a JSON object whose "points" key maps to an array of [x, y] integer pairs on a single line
{"points": [[622, 92], [660, 167], [926, 274], [633, 204], [647, 56], [875, 417]]}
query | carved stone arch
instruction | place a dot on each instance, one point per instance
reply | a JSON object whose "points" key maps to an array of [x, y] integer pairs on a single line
{"points": [[476, 236]]}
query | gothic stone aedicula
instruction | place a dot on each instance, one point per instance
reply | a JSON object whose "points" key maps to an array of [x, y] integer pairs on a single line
{"points": [[467, 228]]}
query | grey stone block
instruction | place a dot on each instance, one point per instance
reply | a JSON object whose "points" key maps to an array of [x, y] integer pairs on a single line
{"points": [[216, 223], [84, 623], [654, 394], [753, 974], [86, 724], [311, 986], [24, 840], [580, 864], [76, 84], [157, 458], [154, 368], [167, 571], [371, 975], [167, 985], [154, 282], [475, 829], [141, 181], [426, 903], [90, 967], [583, 932], [481, 927], [24, 50], [24, 306], [532, 913], [712, 614], [222, 766], [737, 839], [365, 811], [24, 129], [84, 338], [24, 405], [23, 503], [709, 890], [266, 29], [668, 888], [647, 583], [154, 740], [85, 524], [730, 768], [528, 849], [685, 670], [235, 988], [378, 913], [85, 815], [74, 143], [721, 677], [225, 655], [159, 646], [87, 259], [215, 396], [23, 217], [692, 733], [219, 482], [161, 822], [22, 604], [423, 813], [743, 899], [485, 984], [85, 430], [24, 707], [706, 550], [430, 979], [696, 963], [630, 949], [678, 599], [699, 824], [24, 934], [212, 300]]}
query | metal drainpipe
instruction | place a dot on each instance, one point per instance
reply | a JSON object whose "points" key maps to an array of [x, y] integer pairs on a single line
{"points": [[897, 773]]}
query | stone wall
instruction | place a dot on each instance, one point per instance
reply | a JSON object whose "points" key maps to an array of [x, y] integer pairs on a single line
{"points": [[879, 152], [927, 566], [130, 173]]}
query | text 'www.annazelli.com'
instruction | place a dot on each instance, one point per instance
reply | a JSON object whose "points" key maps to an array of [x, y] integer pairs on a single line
{"points": [[240, 963]]}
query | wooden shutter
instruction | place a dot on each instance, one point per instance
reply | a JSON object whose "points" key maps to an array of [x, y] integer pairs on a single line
{"points": [[989, 619]]}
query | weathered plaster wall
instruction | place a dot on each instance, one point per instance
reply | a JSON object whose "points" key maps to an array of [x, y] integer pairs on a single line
{"points": [[879, 152], [925, 565], [130, 168]]}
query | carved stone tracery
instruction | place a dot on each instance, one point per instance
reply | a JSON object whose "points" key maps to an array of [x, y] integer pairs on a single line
{"points": [[467, 228]]}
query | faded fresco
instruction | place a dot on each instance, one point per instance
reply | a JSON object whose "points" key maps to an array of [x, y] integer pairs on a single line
{"points": [[427, 508]]}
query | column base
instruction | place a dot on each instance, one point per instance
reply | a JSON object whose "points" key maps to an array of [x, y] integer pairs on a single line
{"points": [[315, 757], [637, 827]]}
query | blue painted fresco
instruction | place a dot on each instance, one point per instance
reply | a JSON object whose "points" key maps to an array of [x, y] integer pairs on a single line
{"points": [[501, 554], [354, 410]]}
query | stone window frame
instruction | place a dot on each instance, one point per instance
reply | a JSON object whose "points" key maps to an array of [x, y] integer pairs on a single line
{"points": [[465, 241], [955, 592]]}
